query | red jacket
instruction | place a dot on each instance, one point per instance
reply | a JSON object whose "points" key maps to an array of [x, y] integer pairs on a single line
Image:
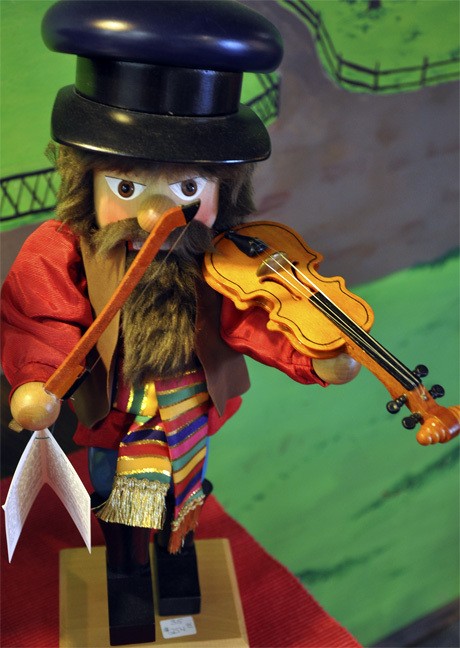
{"points": [[45, 309]]}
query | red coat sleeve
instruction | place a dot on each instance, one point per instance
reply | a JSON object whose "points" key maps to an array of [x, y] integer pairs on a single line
{"points": [[44, 305], [246, 331]]}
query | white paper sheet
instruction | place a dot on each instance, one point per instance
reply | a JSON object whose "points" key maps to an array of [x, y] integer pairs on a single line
{"points": [[44, 462]]}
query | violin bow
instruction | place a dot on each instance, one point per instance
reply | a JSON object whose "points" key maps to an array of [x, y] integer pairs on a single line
{"points": [[72, 371]]}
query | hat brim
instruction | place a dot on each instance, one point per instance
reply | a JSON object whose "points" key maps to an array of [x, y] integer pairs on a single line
{"points": [[236, 138]]}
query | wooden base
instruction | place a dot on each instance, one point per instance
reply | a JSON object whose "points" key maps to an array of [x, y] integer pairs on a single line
{"points": [[83, 601]]}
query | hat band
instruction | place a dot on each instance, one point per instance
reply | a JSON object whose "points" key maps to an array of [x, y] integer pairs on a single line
{"points": [[158, 89]]}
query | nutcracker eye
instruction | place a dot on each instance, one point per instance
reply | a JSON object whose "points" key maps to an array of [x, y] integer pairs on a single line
{"points": [[188, 188], [125, 189]]}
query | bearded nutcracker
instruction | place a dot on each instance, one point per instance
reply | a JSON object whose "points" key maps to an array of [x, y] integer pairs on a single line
{"points": [[153, 121]]}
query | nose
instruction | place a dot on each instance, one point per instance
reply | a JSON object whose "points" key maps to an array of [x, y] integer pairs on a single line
{"points": [[151, 210]]}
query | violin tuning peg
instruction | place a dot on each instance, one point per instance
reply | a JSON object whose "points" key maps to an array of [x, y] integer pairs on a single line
{"points": [[395, 405], [437, 391], [420, 371], [409, 422]]}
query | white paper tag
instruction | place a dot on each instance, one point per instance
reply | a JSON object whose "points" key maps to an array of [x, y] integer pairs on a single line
{"points": [[181, 627], [44, 462]]}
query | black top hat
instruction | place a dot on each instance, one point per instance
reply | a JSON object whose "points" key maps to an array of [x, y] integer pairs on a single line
{"points": [[161, 79]]}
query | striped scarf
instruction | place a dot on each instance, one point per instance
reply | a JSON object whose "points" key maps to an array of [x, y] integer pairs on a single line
{"points": [[164, 447]]}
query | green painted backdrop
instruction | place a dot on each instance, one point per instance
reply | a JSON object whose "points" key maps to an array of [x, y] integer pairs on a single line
{"points": [[325, 479]]}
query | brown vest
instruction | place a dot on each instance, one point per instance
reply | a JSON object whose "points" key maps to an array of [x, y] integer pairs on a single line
{"points": [[225, 369]]}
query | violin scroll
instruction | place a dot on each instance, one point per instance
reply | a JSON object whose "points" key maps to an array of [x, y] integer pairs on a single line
{"points": [[437, 430], [438, 424]]}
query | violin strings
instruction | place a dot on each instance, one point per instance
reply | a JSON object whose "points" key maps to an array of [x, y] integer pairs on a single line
{"points": [[370, 345], [361, 337], [343, 321], [346, 320]]}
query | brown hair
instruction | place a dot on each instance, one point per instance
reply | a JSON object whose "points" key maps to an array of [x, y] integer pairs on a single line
{"points": [[75, 204]]}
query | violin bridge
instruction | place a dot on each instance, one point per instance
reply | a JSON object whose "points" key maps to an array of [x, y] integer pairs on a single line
{"points": [[274, 264]]}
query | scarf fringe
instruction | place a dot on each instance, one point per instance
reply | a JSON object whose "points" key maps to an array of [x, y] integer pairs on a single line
{"points": [[187, 521], [135, 502]]}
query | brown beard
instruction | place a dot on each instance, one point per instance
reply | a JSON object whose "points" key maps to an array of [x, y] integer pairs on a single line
{"points": [[158, 319], [158, 322]]}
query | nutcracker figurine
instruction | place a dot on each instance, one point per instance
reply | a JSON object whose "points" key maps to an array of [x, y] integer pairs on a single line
{"points": [[153, 120]]}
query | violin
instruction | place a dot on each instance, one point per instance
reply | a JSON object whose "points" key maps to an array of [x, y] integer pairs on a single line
{"points": [[268, 265]]}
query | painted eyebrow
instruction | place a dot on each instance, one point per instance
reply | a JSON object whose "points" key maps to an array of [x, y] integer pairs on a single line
{"points": [[183, 178], [124, 177]]}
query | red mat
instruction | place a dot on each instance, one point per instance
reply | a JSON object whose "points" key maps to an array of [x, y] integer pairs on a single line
{"points": [[278, 610]]}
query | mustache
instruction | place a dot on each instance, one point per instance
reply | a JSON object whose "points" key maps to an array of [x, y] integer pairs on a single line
{"points": [[107, 238], [187, 242]]}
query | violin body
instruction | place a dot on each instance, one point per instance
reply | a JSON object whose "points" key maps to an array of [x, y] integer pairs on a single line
{"points": [[233, 273], [268, 265]]}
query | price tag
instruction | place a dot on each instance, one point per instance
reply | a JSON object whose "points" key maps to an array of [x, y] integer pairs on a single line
{"points": [[181, 627]]}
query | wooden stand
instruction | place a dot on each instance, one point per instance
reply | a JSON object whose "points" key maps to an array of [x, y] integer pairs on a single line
{"points": [[83, 601]]}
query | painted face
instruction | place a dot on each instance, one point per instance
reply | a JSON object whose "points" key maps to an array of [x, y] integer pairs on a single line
{"points": [[119, 197]]}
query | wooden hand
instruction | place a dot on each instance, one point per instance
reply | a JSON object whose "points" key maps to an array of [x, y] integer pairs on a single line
{"points": [[33, 408], [338, 370]]}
